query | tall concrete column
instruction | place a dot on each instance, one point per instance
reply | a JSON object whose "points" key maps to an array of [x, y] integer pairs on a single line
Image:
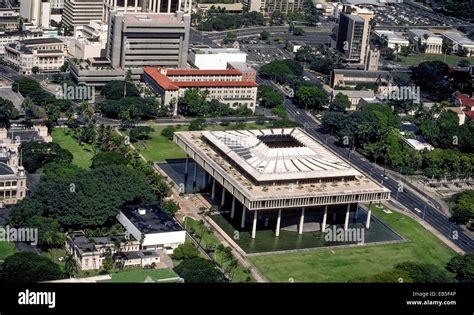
{"points": [[190, 5], [223, 196], [346, 221], [242, 222], [126, 5], [369, 214], [254, 224], [195, 173], [277, 231], [232, 209], [213, 192], [169, 6], [186, 166], [325, 216], [300, 227], [179, 5]]}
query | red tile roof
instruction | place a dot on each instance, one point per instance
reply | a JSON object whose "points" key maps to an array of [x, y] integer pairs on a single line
{"points": [[167, 84], [216, 84], [470, 114], [202, 72], [464, 100], [159, 78]]}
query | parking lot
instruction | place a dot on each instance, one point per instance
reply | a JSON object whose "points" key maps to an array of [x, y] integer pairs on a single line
{"points": [[404, 15]]}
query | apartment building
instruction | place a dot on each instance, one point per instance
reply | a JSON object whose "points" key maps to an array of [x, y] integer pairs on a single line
{"points": [[224, 85]]}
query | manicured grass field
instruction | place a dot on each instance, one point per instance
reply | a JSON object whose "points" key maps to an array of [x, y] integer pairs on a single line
{"points": [[6, 249], [82, 153], [159, 148], [342, 265], [452, 60], [209, 239], [138, 275]]}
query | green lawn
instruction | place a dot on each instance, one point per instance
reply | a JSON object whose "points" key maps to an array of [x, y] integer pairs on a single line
{"points": [[138, 275], [6, 249], [159, 148], [415, 59], [342, 265], [82, 153], [208, 238]]}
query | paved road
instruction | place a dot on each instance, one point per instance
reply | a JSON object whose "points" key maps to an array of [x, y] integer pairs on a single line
{"points": [[407, 198]]}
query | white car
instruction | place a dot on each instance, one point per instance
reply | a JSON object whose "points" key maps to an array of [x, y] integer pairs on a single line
{"points": [[417, 210]]}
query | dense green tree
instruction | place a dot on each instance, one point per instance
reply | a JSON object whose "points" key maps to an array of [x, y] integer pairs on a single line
{"points": [[168, 132], [424, 273], [114, 90], [88, 199], [199, 270], [108, 158], [170, 207], [197, 124], [340, 103], [311, 97], [7, 113], [185, 251], [268, 97], [70, 266], [49, 235], [463, 210], [140, 133], [265, 35], [27, 267], [36, 154], [463, 267]]}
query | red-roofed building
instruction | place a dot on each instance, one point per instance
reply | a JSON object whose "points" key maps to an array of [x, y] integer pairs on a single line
{"points": [[227, 86], [465, 103]]}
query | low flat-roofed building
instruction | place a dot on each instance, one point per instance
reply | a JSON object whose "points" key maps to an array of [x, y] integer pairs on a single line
{"points": [[426, 41], [268, 172], [226, 86], [153, 227], [214, 58], [248, 73], [456, 41], [355, 97], [349, 77], [392, 40], [418, 144]]}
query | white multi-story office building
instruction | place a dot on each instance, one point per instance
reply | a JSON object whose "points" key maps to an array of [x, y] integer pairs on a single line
{"points": [[148, 39], [89, 41]]}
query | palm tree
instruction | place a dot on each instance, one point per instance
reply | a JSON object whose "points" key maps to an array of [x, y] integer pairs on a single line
{"points": [[70, 266]]}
